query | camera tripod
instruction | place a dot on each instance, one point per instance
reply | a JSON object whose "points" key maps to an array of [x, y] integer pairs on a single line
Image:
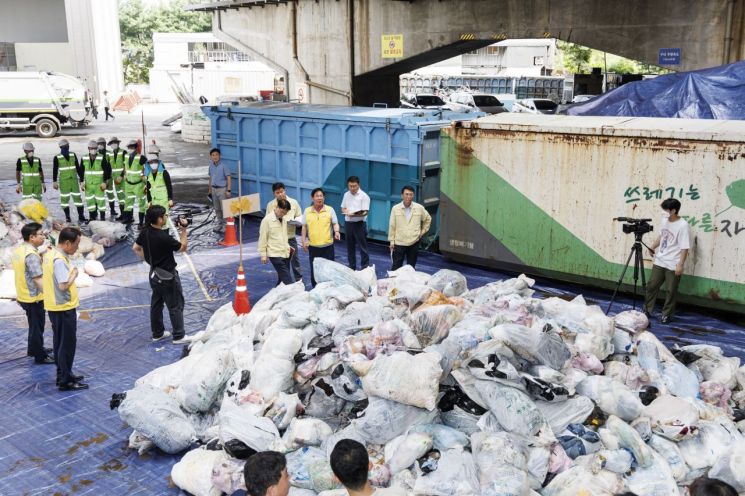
{"points": [[638, 256]]}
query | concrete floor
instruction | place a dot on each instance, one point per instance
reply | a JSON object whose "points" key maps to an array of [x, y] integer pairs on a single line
{"points": [[186, 162]]}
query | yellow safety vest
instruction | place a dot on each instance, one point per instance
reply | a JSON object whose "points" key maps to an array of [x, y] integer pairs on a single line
{"points": [[56, 300], [19, 267], [319, 226]]}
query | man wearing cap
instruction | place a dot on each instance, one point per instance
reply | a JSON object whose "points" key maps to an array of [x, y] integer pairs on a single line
{"points": [[115, 188], [29, 174], [96, 172], [134, 183], [67, 176]]}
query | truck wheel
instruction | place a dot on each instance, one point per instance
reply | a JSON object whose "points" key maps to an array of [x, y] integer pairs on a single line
{"points": [[46, 128]]}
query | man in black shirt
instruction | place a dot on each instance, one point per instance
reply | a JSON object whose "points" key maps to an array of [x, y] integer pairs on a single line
{"points": [[157, 247]]}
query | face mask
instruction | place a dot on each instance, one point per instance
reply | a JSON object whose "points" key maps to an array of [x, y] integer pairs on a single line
{"points": [[91, 152], [29, 154], [100, 147], [114, 147], [65, 149], [131, 150]]}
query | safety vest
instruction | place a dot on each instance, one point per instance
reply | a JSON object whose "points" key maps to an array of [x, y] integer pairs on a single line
{"points": [[133, 172], [319, 226], [93, 170], [56, 300], [67, 167], [158, 190], [30, 173], [19, 267], [116, 160]]}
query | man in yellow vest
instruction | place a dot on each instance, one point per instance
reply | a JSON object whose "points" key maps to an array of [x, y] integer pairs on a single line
{"points": [[67, 176], [134, 184], [294, 216], [96, 173], [29, 174], [28, 277], [318, 221], [61, 303], [408, 223]]}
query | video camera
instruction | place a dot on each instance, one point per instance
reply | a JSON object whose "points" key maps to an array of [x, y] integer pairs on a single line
{"points": [[636, 226], [185, 219]]}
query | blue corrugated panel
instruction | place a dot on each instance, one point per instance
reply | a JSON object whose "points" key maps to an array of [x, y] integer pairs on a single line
{"points": [[307, 146]]}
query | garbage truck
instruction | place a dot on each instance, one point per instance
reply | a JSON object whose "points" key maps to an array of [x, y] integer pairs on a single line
{"points": [[43, 101]]}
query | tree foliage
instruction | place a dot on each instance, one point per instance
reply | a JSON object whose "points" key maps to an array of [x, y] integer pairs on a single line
{"points": [[137, 24], [575, 56]]}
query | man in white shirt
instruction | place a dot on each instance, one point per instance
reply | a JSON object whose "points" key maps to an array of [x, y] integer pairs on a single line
{"points": [[350, 463], [670, 251], [355, 205]]}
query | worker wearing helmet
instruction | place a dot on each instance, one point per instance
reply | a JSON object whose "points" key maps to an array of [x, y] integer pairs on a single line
{"points": [[29, 174], [158, 186], [67, 176], [134, 183], [115, 191], [96, 172]]}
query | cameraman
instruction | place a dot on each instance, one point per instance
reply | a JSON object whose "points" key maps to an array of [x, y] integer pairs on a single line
{"points": [[670, 251], [157, 247]]}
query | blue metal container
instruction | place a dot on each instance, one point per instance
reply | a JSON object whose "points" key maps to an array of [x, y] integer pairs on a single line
{"points": [[310, 146]]}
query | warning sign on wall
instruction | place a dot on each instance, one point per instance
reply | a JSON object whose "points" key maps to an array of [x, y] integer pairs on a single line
{"points": [[301, 92], [392, 46]]}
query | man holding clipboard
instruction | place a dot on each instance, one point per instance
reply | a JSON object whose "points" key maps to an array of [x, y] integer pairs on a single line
{"points": [[355, 205]]}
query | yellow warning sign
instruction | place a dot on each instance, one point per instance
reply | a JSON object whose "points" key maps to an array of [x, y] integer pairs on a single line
{"points": [[392, 46]]}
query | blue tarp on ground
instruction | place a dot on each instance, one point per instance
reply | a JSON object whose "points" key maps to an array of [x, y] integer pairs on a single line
{"points": [[72, 443], [716, 93]]}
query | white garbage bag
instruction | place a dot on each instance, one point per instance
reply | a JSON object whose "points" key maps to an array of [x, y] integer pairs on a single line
{"points": [[94, 268], [654, 480], [443, 437], [560, 415], [340, 275], [502, 462], [306, 432], [408, 379], [278, 294], [672, 418], [431, 324], [456, 475], [712, 442], [284, 409], [272, 372], [8, 284], [672, 455], [157, 416], [534, 345], [140, 443], [448, 282], [611, 396], [629, 438], [227, 474], [83, 280], [193, 473], [631, 321], [407, 293], [238, 422], [402, 452], [204, 381], [580, 480], [384, 420], [514, 410], [730, 466]]}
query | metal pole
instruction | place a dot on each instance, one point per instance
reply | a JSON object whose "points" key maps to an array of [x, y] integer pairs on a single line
{"points": [[240, 217]]}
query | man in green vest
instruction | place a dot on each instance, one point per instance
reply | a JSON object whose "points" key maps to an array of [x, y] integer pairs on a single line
{"points": [[134, 183], [116, 184], [29, 174], [67, 176], [96, 172]]}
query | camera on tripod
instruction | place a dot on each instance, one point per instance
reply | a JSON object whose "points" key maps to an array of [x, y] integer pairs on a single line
{"points": [[636, 226]]}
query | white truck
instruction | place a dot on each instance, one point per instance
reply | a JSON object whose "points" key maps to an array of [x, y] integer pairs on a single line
{"points": [[43, 101]]}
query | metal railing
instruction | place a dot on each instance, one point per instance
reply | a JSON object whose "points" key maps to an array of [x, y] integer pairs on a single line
{"points": [[218, 56]]}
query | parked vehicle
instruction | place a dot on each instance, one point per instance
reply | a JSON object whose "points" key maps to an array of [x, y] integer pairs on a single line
{"points": [[423, 101], [465, 100], [582, 98], [535, 106], [43, 101]]}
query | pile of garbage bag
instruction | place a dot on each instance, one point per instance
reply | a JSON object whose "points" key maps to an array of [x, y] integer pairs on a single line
{"points": [[453, 391], [91, 248]]}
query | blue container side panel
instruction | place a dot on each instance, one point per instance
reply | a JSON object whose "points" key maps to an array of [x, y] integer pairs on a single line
{"points": [[305, 153]]}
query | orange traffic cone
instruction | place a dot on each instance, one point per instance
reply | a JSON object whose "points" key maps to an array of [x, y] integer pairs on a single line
{"points": [[241, 305], [230, 237]]}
